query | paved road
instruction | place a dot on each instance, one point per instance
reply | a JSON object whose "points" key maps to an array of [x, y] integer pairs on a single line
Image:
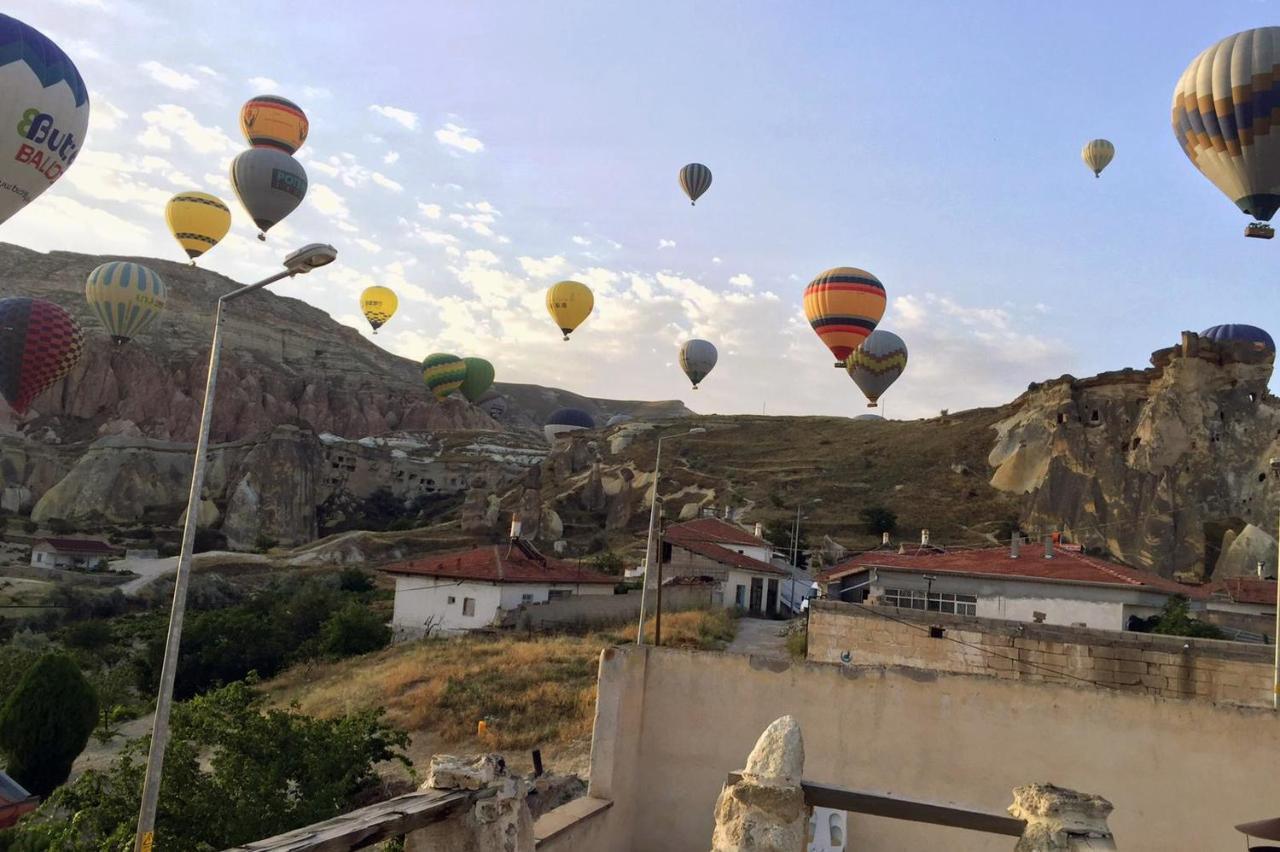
{"points": [[760, 637]]}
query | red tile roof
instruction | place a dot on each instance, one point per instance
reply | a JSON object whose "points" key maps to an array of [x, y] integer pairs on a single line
{"points": [[1064, 567], [715, 531], [1244, 590], [79, 545], [499, 564], [695, 543]]}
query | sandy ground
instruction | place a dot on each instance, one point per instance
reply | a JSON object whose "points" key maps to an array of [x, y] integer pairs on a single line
{"points": [[98, 755], [760, 637]]}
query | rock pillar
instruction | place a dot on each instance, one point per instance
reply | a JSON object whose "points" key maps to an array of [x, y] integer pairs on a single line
{"points": [[765, 810], [1060, 820]]}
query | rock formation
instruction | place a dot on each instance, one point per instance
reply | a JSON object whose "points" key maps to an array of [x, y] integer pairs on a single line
{"points": [[765, 810]]}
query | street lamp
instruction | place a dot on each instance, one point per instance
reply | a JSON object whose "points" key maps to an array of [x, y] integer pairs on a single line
{"points": [[649, 550], [300, 262]]}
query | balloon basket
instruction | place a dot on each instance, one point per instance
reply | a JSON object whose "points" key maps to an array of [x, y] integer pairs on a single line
{"points": [[262, 237], [1260, 231]]}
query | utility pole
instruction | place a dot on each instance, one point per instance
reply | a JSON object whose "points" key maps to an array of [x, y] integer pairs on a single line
{"points": [[657, 615]]}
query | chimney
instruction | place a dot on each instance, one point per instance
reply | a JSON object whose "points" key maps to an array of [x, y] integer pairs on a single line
{"points": [[515, 527], [1015, 545], [760, 532], [884, 539], [924, 538], [1048, 547]]}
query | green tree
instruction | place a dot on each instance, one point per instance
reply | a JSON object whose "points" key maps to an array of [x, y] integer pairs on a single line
{"points": [[233, 773], [355, 580], [1175, 620], [46, 722], [778, 533], [878, 520], [354, 629], [607, 562]]}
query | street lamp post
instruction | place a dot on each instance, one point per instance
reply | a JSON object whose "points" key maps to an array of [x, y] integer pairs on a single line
{"points": [[299, 262], [649, 548]]}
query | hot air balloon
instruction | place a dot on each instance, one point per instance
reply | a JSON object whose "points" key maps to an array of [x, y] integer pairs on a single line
{"points": [[1222, 114], [569, 304], [843, 305], [697, 358], [44, 100], [39, 344], [877, 363], [198, 221], [270, 121], [695, 179], [618, 420], [378, 304], [1097, 154], [564, 420], [270, 185], [1250, 335], [479, 378], [443, 373], [126, 296]]}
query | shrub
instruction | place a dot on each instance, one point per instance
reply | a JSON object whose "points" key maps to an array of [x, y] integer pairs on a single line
{"points": [[206, 540], [352, 630], [607, 562], [355, 580], [264, 542], [87, 635], [879, 520], [46, 722], [798, 644], [29, 527], [58, 526]]}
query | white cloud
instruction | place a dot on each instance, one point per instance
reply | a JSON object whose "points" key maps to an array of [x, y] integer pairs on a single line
{"points": [[390, 157], [152, 138], [208, 72], [434, 238], [458, 137], [316, 93], [368, 245], [547, 267], [614, 244], [104, 115], [582, 241], [180, 122], [387, 183], [482, 216], [742, 280], [264, 85], [169, 77], [406, 119], [431, 211], [481, 257], [666, 244], [716, 260], [218, 181], [43, 227], [327, 201]]}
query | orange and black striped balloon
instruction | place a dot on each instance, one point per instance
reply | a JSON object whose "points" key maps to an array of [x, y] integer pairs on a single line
{"points": [[270, 121], [39, 344], [844, 305], [695, 179]]}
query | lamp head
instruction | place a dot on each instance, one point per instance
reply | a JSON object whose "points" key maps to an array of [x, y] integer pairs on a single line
{"points": [[310, 257]]}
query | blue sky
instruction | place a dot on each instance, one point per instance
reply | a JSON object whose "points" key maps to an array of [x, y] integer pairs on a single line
{"points": [[468, 155]]}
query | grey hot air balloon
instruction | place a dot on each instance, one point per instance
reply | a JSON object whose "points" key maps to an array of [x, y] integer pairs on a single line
{"points": [[564, 420], [877, 363], [695, 179], [697, 358], [270, 185]]}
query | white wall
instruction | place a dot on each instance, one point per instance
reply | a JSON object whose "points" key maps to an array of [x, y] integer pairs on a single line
{"points": [[513, 593], [1106, 615], [419, 599]]}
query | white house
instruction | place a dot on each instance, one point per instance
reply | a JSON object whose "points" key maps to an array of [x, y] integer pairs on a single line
{"points": [[71, 553], [466, 590], [1046, 583], [736, 561]]}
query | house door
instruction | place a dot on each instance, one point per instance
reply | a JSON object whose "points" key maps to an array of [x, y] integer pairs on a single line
{"points": [[757, 594], [771, 601]]}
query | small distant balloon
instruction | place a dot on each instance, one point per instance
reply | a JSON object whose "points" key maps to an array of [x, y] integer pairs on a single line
{"points": [[198, 221], [269, 183], [697, 359], [695, 179], [270, 121], [443, 373], [569, 303], [1097, 154], [479, 378], [844, 305], [378, 305], [126, 296], [877, 363], [39, 344]]}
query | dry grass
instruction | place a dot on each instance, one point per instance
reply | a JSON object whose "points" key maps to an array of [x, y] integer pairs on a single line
{"points": [[707, 631]]}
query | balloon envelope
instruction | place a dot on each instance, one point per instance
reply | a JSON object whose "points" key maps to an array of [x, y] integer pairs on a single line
{"points": [[1222, 114], [39, 344], [44, 113], [569, 304], [270, 121], [1097, 154], [844, 305], [695, 179], [564, 420], [126, 296], [269, 183], [198, 221], [1255, 337], [697, 358], [378, 305], [443, 373], [479, 378], [877, 363]]}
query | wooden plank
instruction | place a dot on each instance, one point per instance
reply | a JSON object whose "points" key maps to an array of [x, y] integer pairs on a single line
{"points": [[893, 807], [381, 821]]}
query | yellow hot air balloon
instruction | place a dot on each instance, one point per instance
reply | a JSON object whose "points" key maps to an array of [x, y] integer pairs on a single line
{"points": [[378, 304], [198, 221], [569, 304]]}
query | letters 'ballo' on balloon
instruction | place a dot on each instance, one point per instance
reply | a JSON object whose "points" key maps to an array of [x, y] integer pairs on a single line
{"points": [[569, 304], [270, 121], [877, 363], [844, 305], [198, 221], [1097, 154], [44, 113], [378, 305], [564, 420], [269, 183], [480, 375], [443, 373], [39, 344], [695, 179], [697, 358], [126, 296], [1224, 118]]}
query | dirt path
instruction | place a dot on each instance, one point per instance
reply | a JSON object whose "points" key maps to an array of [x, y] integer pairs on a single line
{"points": [[760, 637]]}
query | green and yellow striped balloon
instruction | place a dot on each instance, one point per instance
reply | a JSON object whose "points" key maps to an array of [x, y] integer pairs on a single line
{"points": [[443, 373], [126, 296]]}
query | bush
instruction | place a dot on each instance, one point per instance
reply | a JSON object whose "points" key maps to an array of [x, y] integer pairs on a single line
{"points": [[206, 540], [353, 630], [607, 562], [355, 580], [58, 526], [166, 549], [879, 520], [1175, 620], [87, 635], [46, 722], [264, 542], [798, 644], [30, 527]]}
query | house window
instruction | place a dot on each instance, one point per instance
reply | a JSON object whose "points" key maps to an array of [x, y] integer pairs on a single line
{"points": [[904, 598], [452, 599], [39, 557], [740, 596], [557, 594], [666, 552], [527, 597], [468, 606], [953, 604]]}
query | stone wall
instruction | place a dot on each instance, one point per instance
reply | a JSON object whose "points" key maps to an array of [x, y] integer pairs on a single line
{"points": [[592, 610], [1170, 666]]}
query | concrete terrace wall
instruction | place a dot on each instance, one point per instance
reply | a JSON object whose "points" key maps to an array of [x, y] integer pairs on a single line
{"points": [[591, 610], [670, 724], [1171, 666]]}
